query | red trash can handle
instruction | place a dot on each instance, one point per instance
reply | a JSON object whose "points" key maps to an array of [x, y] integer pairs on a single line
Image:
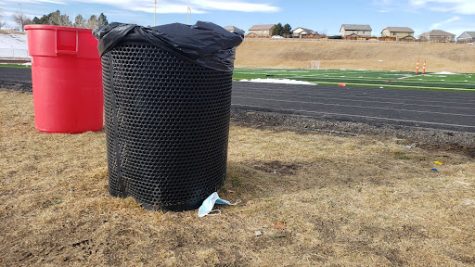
{"points": [[67, 41]]}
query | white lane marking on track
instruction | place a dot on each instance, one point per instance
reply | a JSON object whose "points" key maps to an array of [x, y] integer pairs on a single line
{"points": [[350, 106], [369, 117]]}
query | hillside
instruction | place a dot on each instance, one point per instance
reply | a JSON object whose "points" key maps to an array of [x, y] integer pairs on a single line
{"points": [[265, 53]]}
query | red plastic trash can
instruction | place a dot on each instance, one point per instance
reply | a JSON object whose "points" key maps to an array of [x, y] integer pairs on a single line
{"points": [[66, 78]]}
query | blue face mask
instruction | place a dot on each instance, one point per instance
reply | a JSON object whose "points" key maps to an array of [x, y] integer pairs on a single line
{"points": [[208, 204]]}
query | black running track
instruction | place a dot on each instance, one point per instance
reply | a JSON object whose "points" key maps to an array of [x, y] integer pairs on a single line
{"points": [[418, 108]]}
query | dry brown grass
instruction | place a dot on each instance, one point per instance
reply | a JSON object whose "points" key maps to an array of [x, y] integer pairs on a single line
{"points": [[316, 199], [264, 53]]}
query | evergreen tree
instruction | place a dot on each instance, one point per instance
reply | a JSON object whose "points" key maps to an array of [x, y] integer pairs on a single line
{"points": [[64, 20], [287, 30], [92, 23], [36, 20], [102, 20], [54, 18], [277, 29], [79, 21]]}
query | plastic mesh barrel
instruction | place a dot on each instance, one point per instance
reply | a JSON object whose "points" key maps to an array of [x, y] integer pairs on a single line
{"points": [[167, 124]]}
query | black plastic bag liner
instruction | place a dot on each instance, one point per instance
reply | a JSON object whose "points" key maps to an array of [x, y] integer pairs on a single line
{"points": [[204, 43]]}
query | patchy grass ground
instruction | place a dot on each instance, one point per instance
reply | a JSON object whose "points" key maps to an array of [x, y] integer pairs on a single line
{"points": [[308, 199], [366, 78]]}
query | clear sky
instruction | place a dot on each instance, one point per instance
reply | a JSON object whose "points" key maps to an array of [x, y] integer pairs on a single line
{"points": [[322, 15]]}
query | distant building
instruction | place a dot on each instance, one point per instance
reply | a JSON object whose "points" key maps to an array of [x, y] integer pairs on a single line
{"points": [[261, 30], [398, 33], [301, 32], [234, 29], [408, 38], [466, 37], [354, 31], [438, 36]]}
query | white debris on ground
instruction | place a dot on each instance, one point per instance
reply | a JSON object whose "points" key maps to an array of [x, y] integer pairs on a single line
{"points": [[282, 81], [445, 73], [405, 76]]}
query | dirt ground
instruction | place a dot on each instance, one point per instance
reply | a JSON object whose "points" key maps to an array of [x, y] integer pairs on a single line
{"points": [[311, 199], [266, 53]]}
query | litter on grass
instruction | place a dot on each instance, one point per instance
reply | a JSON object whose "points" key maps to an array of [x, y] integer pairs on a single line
{"points": [[208, 204], [445, 73], [281, 81]]}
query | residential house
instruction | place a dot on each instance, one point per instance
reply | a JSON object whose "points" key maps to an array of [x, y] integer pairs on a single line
{"points": [[355, 31], [408, 38], [398, 33], [438, 36], [466, 37], [234, 29], [302, 32], [261, 30]]}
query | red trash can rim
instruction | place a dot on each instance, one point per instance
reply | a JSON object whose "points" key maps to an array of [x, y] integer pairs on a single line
{"points": [[53, 27]]}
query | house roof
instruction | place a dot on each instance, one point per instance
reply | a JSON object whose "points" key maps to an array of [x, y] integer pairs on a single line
{"points": [[471, 34], [304, 30], [438, 33], [356, 27], [399, 29], [262, 27], [234, 29]]}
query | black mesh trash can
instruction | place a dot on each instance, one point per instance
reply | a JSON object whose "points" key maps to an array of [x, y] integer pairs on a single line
{"points": [[167, 113]]}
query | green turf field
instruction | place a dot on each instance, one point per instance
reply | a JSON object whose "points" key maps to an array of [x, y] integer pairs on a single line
{"points": [[358, 78], [364, 78], [13, 65]]}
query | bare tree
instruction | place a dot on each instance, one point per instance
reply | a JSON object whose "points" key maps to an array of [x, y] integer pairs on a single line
{"points": [[21, 20], [2, 23]]}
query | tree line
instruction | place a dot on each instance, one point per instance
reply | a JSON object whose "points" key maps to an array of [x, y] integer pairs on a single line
{"points": [[56, 18], [285, 31]]}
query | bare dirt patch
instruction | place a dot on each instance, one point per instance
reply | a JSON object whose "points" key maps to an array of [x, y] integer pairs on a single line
{"points": [[353, 200], [277, 167]]}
